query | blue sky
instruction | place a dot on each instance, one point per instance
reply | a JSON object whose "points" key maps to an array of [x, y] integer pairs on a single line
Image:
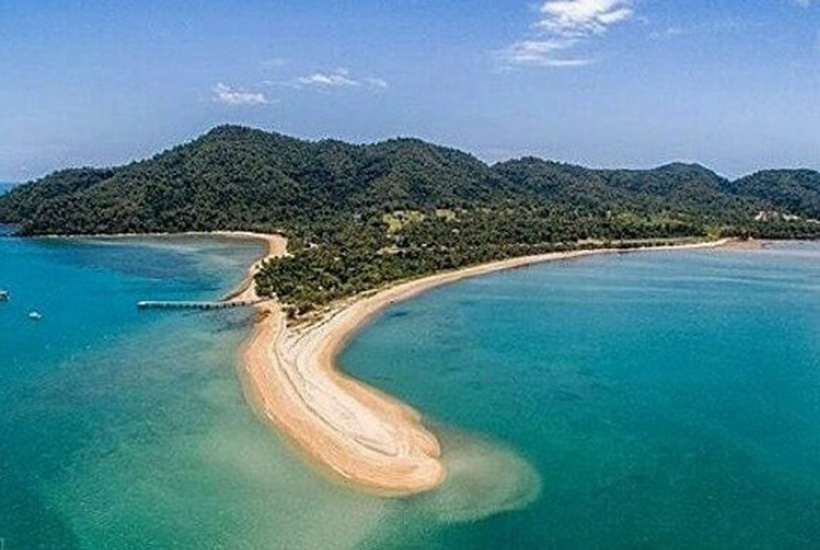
{"points": [[606, 83]]}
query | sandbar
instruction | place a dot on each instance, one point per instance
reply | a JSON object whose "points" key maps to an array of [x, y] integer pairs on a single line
{"points": [[346, 427]]}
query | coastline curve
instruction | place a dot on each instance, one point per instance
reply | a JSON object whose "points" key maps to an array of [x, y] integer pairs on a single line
{"points": [[343, 425]]}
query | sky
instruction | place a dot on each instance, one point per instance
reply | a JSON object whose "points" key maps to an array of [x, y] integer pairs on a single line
{"points": [[732, 84]]}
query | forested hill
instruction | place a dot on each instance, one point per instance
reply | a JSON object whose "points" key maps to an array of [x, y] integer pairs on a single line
{"points": [[794, 191], [235, 177], [360, 215]]}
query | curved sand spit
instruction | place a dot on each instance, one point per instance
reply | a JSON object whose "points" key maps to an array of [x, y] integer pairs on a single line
{"points": [[344, 425]]}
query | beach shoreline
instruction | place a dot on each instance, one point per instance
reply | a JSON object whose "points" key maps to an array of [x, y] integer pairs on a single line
{"points": [[347, 429], [344, 426]]}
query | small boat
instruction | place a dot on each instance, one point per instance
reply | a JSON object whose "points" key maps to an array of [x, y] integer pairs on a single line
{"points": [[4, 295], [34, 316]]}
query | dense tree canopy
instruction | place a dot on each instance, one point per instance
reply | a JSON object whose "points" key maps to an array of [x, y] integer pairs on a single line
{"points": [[793, 191], [362, 215]]}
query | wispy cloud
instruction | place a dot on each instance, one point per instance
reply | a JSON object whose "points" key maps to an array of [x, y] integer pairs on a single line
{"points": [[340, 78], [222, 93], [563, 26], [541, 53], [583, 18]]}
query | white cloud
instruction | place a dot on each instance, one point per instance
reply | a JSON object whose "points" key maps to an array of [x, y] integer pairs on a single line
{"points": [[540, 53], [564, 25], [227, 95], [340, 78], [582, 18]]}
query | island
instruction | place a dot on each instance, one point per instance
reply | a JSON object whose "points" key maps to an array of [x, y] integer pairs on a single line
{"points": [[351, 229]]}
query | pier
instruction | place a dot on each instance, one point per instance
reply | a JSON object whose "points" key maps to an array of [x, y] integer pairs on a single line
{"points": [[193, 305]]}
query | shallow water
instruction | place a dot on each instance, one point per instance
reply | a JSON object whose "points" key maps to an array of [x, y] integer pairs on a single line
{"points": [[647, 400], [665, 399], [124, 429]]}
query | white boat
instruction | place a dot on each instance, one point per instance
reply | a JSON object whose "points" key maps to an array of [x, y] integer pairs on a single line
{"points": [[4, 295], [34, 316]]}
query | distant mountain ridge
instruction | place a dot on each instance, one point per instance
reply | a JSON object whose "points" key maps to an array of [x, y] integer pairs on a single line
{"points": [[796, 191]]}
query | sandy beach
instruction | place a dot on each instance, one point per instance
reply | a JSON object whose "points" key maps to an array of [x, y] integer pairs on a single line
{"points": [[345, 426]]}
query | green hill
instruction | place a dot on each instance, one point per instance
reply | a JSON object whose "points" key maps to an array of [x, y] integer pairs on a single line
{"points": [[361, 215], [793, 191]]}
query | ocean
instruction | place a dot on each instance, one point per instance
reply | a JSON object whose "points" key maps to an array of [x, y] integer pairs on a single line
{"points": [[662, 399], [125, 429], [665, 399]]}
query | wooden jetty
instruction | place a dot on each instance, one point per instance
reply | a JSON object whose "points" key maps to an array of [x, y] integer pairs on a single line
{"points": [[193, 305]]}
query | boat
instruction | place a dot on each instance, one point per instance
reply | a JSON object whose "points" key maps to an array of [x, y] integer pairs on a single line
{"points": [[34, 316], [4, 295]]}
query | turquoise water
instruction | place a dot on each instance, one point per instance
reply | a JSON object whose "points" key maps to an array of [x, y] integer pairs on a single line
{"points": [[127, 430], [6, 187], [653, 400], [666, 399]]}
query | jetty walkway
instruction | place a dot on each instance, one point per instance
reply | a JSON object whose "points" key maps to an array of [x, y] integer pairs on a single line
{"points": [[195, 305]]}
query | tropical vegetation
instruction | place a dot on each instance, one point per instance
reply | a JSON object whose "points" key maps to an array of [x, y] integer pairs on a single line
{"points": [[360, 216]]}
